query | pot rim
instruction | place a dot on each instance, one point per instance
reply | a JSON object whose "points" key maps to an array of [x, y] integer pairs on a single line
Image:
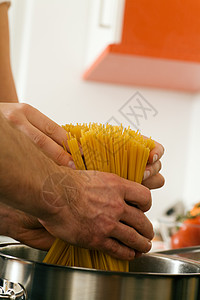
{"points": [[129, 274]]}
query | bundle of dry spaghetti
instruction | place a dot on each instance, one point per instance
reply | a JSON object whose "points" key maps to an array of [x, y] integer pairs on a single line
{"points": [[105, 148]]}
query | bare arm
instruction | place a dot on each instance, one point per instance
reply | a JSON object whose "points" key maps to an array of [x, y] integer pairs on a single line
{"points": [[24, 228], [7, 85], [22, 165]]}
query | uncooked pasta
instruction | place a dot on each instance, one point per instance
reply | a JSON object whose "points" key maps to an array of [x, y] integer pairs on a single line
{"points": [[106, 148]]}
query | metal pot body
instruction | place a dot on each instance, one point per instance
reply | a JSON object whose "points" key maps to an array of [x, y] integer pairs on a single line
{"points": [[151, 277]]}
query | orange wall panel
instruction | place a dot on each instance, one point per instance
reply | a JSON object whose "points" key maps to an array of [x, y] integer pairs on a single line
{"points": [[160, 47], [163, 28]]}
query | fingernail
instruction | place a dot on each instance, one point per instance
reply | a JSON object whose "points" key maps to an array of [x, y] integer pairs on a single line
{"points": [[71, 165], [146, 174], [150, 244], [155, 158]]}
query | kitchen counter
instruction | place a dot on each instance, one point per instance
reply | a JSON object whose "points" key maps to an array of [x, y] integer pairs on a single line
{"points": [[6, 239]]}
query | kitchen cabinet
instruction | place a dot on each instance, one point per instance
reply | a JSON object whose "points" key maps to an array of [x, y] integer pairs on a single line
{"points": [[146, 43]]}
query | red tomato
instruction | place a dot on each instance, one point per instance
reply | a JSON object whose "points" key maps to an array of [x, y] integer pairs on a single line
{"points": [[193, 221], [177, 241], [188, 234]]}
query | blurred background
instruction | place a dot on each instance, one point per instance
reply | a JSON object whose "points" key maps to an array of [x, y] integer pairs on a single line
{"points": [[51, 48]]}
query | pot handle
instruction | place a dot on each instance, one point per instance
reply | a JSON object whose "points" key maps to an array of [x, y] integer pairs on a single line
{"points": [[11, 290]]}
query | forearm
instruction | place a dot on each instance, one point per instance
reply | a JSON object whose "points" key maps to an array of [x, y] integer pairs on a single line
{"points": [[23, 172], [8, 221], [7, 85], [5, 215], [24, 228]]}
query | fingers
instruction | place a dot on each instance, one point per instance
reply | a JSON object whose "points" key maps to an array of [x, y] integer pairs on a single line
{"points": [[46, 125], [152, 170], [137, 194], [136, 219], [154, 182], [48, 135], [152, 179], [125, 243], [156, 153], [52, 149], [131, 238], [117, 250]]}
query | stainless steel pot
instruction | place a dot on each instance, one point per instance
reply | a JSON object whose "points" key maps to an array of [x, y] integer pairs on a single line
{"points": [[152, 276]]}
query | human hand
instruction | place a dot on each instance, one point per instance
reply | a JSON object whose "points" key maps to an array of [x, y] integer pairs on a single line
{"points": [[45, 133], [152, 178], [24, 228], [98, 210]]}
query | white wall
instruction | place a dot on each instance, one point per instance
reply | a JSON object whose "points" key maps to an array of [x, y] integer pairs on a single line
{"points": [[53, 46], [192, 188]]}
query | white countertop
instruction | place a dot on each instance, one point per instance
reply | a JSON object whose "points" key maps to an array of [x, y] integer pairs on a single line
{"points": [[6, 239]]}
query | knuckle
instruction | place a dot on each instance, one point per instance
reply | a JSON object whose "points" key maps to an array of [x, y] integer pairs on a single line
{"points": [[118, 251], [162, 181], [105, 226], [150, 231], [116, 178], [13, 118], [155, 168], [61, 156], [95, 242], [16, 116], [113, 247], [140, 220], [159, 166], [23, 106], [119, 207], [50, 128], [144, 226], [130, 254], [113, 176], [147, 199], [113, 179], [138, 242], [40, 140], [132, 240]]}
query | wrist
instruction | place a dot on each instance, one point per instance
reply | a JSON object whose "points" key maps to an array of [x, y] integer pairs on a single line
{"points": [[59, 189]]}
